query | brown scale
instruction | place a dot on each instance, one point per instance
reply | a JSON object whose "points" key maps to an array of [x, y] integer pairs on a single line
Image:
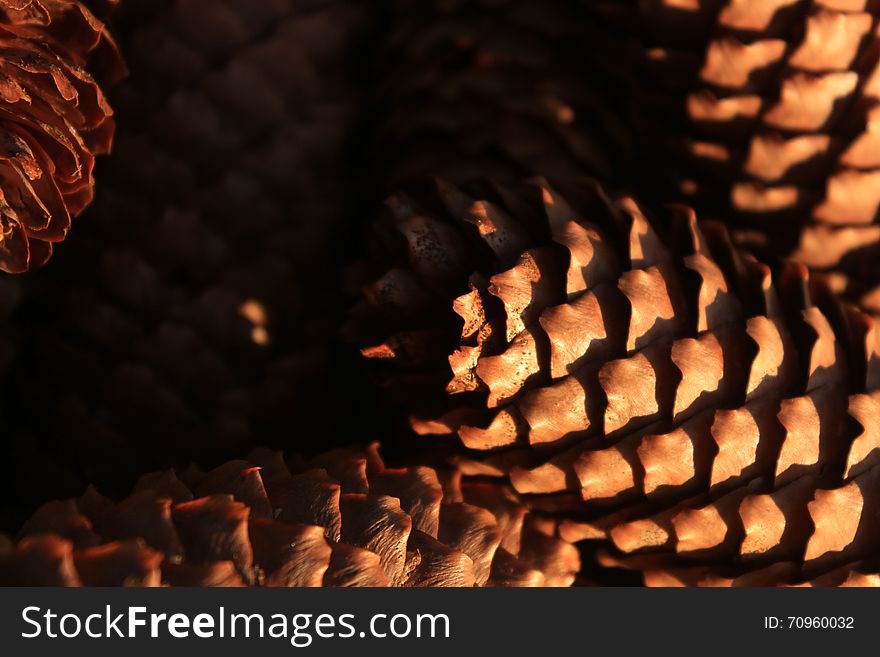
{"points": [[341, 519], [810, 517], [700, 409], [767, 115], [54, 121]]}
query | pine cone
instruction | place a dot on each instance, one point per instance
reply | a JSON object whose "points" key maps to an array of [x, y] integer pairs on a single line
{"points": [[55, 120], [192, 311], [639, 376], [764, 114], [492, 88], [343, 519]]}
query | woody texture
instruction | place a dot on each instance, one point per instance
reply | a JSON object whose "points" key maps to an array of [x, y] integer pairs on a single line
{"points": [[601, 275], [54, 121], [704, 418], [342, 519], [763, 114]]}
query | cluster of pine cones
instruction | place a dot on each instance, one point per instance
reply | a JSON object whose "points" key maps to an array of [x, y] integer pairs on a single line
{"points": [[602, 277]]}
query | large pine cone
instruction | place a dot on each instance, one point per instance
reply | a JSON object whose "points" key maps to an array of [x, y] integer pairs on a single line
{"points": [[489, 88], [54, 120], [191, 312], [343, 519], [642, 375], [765, 113]]}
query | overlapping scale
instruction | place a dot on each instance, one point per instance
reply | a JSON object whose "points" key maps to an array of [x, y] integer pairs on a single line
{"points": [[54, 121], [636, 374], [342, 519], [764, 115]]}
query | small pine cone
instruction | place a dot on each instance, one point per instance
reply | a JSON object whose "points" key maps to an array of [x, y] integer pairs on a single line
{"points": [[765, 114], [55, 120], [342, 519], [489, 88], [663, 391], [193, 311]]}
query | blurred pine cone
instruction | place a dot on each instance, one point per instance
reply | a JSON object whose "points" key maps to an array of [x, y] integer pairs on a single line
{"points": [[489, 88], [343, 519], [763, 114], [638, 374], [191, 313], [54, 121]]}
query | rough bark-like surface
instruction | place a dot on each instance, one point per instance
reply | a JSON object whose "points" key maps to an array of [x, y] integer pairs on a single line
{"points": [[638, 375], [343, 519]]}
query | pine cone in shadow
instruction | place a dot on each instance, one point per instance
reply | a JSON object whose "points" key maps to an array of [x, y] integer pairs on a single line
{"points": [[342, 519], [10, 294], [488, 88], [54, 121], [638, 375], [764, 114], [195, 309]]}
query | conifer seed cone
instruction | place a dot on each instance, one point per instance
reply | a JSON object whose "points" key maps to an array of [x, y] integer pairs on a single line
{"points": [[764, 114], [489, 88], [342, 519], [54, 120], [708, 418]]}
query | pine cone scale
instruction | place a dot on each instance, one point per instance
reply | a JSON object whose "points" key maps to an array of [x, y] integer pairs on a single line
{"points": [[424, 535], [55, 121], [690, 405], [769, 122]]}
